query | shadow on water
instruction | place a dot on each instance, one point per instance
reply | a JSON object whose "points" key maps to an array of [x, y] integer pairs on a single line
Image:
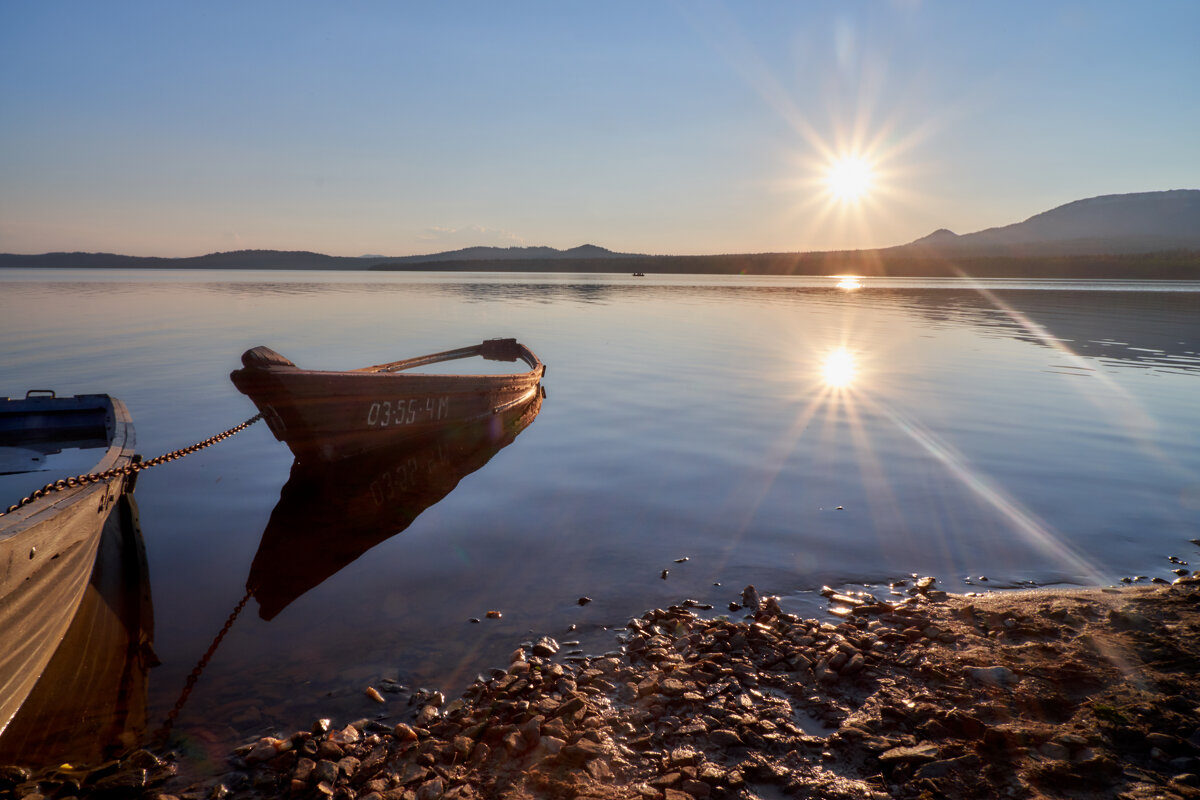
{"points": [[330, 514], [89, 704]]}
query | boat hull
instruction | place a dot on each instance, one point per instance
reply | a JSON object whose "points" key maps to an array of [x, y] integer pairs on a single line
{"points": [[329, 416], [47, 550], [90, 704]]}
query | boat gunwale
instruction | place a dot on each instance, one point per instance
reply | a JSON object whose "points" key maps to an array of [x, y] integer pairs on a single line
{"points": [[520, 352], [395, 369]]}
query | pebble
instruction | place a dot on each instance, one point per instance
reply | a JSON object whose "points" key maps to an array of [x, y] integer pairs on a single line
{"points": [[909, 755], [347, 735], [264, 750], [1055, 750]]}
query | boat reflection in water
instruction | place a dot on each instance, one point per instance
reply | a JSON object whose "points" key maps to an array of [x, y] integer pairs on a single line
{"points": [[330, 514], [89, 705]]}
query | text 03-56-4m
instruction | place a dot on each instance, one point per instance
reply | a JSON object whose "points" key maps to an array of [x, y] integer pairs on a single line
{"points": [[389, 413]]}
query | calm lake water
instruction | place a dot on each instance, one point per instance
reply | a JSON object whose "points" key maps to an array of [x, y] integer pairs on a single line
{"points": [[786, 433]]}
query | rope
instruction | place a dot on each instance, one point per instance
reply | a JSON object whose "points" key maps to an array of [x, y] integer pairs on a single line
{"points": [[95, 477]]}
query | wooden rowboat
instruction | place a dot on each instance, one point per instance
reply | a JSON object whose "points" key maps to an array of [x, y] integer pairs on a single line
{"points": [[89, 706], [327, 416], [48, 545]]}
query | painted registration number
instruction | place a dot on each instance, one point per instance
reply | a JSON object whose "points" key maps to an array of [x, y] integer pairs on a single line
{"points": [[410, 411]]}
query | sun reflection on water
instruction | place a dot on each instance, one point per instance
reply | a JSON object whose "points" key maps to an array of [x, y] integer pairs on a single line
{"points": [[848, 282], [839, 368]]}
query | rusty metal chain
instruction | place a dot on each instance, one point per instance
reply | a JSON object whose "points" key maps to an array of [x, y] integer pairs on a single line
{"points": [[163, 733], [130, 469]]}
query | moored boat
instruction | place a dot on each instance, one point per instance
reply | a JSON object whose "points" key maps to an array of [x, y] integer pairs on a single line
{"points": [[328, 415], [48, 540], [89, 706]]}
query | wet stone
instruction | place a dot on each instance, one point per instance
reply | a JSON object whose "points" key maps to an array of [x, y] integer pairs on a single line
{"points": [[545, 647], [995, 676], [968, 764], [431, 790], [667, 779], [684, 756], [599, 770], [304, 768], [347, 735], [329, 750], [263, 750], [909, 755], [326, 771]]}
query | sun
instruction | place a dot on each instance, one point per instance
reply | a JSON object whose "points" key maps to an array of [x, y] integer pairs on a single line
{"points": [[849, 178]]}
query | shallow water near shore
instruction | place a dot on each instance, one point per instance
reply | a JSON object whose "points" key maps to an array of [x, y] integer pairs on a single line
{"points": [[787, 433]]}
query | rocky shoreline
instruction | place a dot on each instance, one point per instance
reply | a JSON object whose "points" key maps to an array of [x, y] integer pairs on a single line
{"points": [[1044, 693]]}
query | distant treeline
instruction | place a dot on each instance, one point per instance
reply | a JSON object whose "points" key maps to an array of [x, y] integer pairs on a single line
{"points": [[906, 261], [898, 262], [238, 259]]}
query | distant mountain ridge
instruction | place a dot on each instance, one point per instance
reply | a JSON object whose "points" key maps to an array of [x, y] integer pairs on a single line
{"points": [[297, 259], [510, 254], [1113, 224], [236, 259], [1142, 235]]}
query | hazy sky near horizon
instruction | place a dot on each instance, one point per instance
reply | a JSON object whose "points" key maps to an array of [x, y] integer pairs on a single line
{"points": [[175, 129]]}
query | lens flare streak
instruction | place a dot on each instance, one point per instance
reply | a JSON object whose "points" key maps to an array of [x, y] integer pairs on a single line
{"points": [[1033, 530]]}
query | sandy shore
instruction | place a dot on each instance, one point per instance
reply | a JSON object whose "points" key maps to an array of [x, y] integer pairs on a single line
{"points": [[1084, 694]]}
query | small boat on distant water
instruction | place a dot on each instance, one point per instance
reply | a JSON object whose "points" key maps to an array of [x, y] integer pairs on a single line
{"points": [[328, 416], [48, 541]]}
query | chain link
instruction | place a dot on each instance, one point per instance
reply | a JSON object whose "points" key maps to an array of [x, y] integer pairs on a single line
{"points": [[130, 469]]}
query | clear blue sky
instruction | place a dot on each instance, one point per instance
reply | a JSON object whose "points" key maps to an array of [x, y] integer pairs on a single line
{"points": [[172, 128]]}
